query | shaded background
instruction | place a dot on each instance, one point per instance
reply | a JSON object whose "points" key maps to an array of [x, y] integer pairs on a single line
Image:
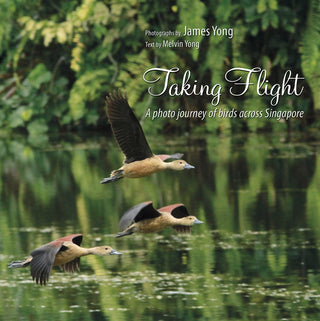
{"points": [[58, 60]]}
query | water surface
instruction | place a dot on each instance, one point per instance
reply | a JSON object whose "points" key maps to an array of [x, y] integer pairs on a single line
{"points": [[255, 258]]}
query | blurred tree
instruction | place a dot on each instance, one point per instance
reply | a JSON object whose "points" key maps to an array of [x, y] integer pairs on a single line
{"points": [[58, 61]]}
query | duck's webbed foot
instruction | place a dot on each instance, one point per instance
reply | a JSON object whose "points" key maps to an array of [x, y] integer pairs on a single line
{"points": [[128, 231], [116, 175]]}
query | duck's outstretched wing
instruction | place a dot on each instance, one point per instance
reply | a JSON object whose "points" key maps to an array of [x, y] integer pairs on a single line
{"points": [[176, 210], [126, 128], [42, 262], [137, 213], [74, 238]]}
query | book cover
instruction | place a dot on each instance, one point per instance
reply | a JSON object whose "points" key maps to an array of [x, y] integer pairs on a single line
{"points": [[217, 102]]}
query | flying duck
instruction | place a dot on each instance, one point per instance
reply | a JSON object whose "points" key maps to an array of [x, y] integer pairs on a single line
{"points": [[146, 219], [139, 160], [64, 252]]}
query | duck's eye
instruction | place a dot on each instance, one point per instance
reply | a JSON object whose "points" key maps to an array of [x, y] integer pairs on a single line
{"points": [[106, 248]]}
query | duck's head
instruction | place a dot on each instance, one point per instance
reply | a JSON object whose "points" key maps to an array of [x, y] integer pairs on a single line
{"points": [[180, 165], [105, 250], [190, 220]]}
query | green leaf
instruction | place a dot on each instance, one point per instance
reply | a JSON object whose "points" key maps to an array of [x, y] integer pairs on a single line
{"points": [[250, 14], [273, 4], [37, 127], [88, 87], [254, 30], [101, 13], [261, 6], [15, 119], [224, 10], [61, 35], [41, 100], [48, 34], [2, 118], [26, 114], [265, 21], [39, 75], [274, 19]]}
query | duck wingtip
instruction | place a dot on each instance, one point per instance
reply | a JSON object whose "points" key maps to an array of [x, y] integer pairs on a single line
{"points": [[115, 95]]}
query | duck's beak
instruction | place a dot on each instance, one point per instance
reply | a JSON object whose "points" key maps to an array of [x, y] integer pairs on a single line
{"points": [[188, 166], [196, 221], [114, 252]]}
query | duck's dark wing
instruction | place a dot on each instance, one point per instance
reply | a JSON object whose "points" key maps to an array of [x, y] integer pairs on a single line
{"points": [[42, 262], [75, 238], [127, 129], [137, 213], [176, 210]]}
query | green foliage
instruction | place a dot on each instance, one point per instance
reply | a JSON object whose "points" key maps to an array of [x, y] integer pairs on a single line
{"points": [[60, 60], [191, 14], [39, 75], [310, 50], [87, 87], [29, 106]]}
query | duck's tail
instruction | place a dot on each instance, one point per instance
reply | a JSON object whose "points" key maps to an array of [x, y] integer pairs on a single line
{"points": [[19, 264]]}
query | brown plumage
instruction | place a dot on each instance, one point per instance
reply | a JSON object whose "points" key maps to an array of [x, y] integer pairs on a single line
{"points": [[146, 219], [64, 252], [139, 159]]}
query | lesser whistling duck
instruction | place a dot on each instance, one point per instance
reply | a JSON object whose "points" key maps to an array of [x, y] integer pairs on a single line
{"points": [[139, 159], [64, 252], [149, 220]]}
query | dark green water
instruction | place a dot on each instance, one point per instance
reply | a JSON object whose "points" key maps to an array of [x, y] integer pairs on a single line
{"points": [[255, 258]]}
